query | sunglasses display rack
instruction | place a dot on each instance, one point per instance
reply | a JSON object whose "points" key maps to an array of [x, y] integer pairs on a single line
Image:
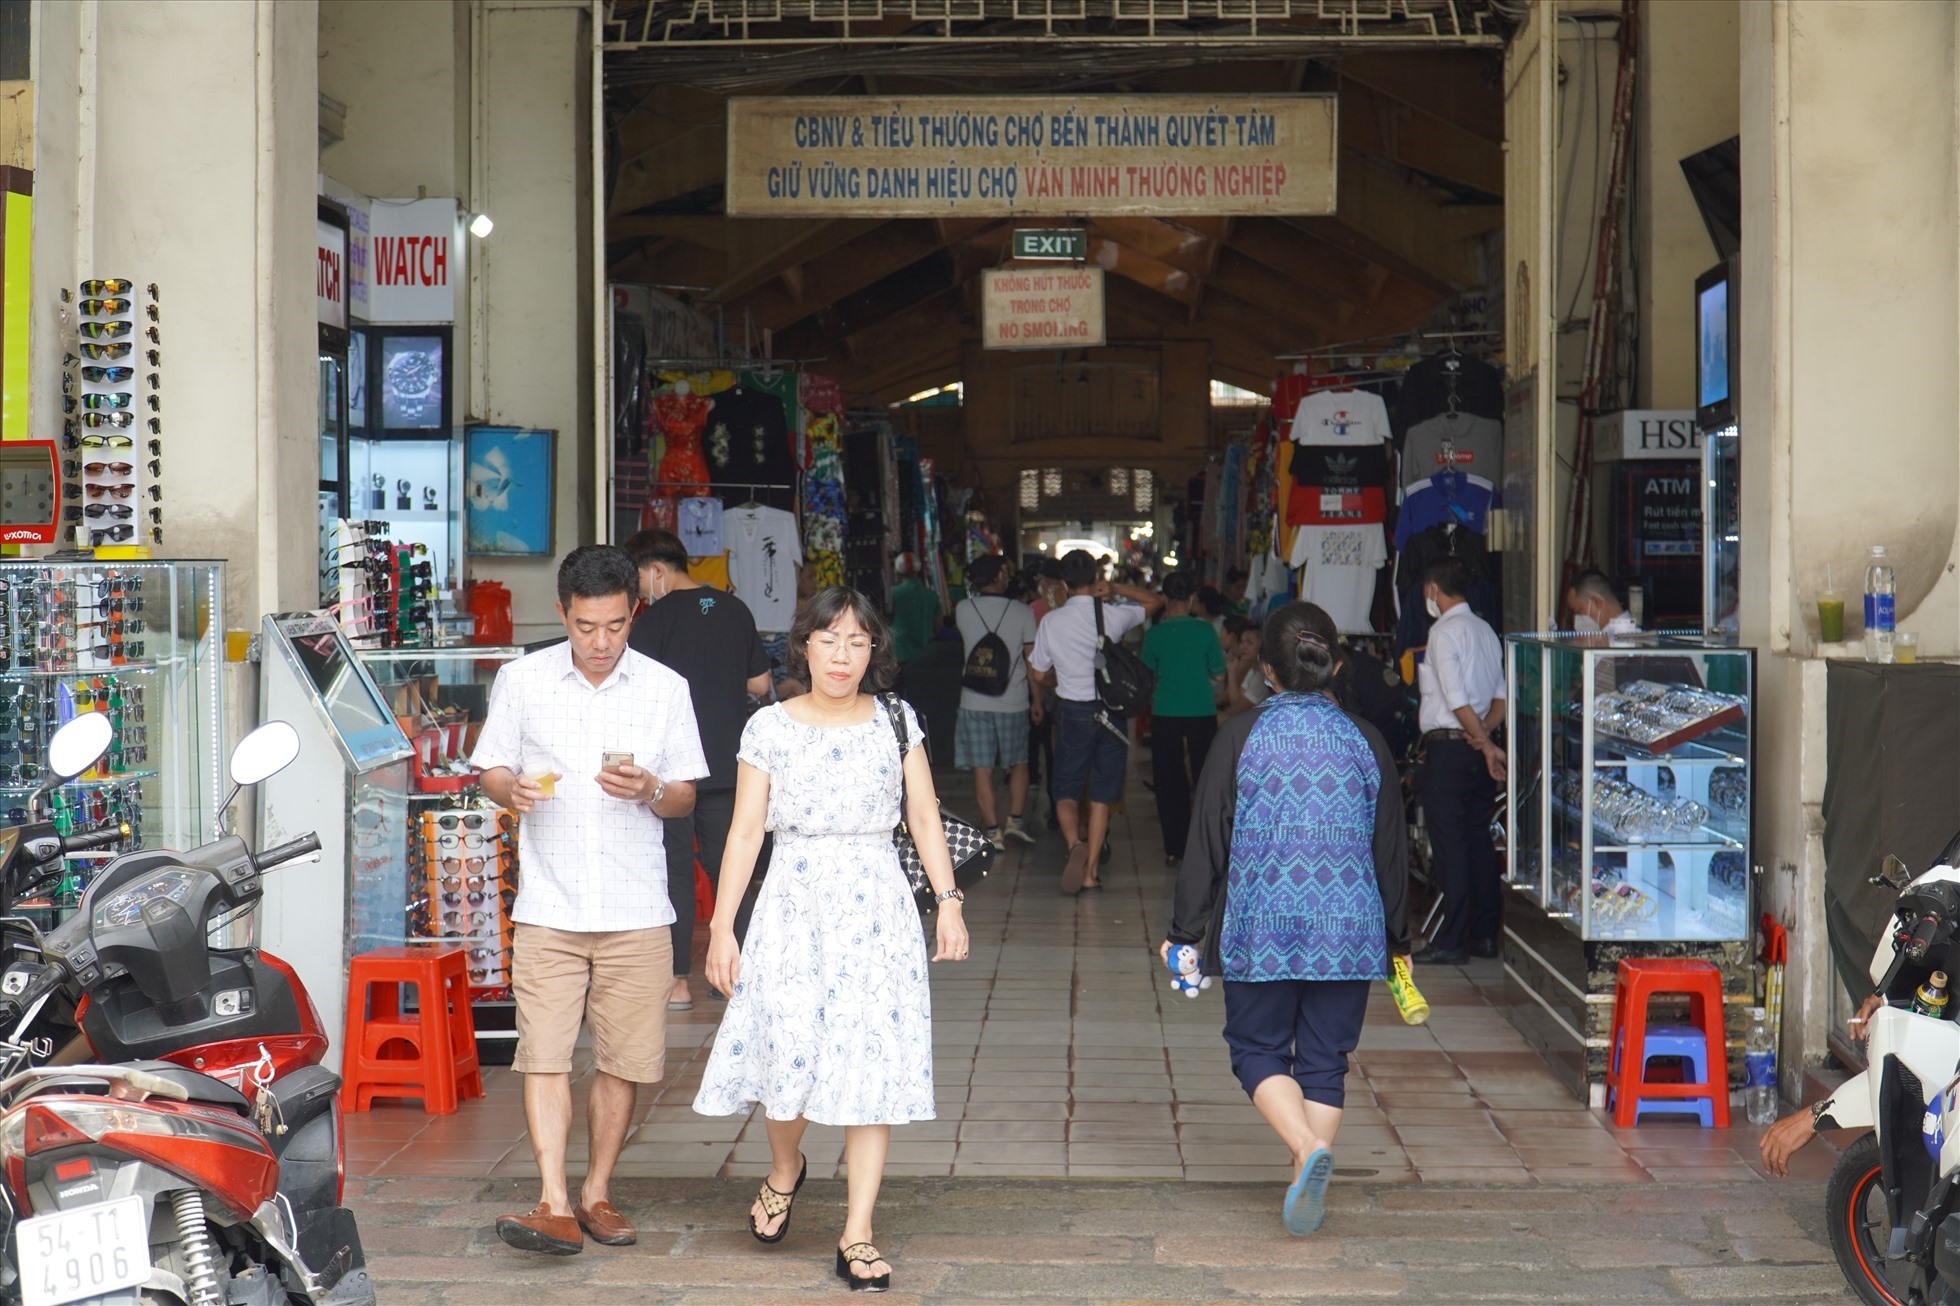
{"points": [[465, 862], [381, 591], [112, 396], [133, 641]]}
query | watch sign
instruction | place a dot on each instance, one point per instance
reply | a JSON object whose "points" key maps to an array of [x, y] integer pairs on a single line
{"points": [[330, 275], [412, 265]]}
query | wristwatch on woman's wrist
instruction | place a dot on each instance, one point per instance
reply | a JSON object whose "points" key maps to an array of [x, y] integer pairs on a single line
{"points": [[951, 895]]}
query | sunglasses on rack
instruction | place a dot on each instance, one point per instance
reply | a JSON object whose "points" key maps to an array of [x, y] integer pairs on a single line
{"points": [[108, 441], [120, 399], [108, 375], [112, 535], [106, 307], [100, 420], [107, 286], [107, 330], [99, 352]]}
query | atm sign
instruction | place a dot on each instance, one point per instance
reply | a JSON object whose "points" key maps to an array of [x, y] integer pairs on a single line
{"points": [[1068, 245]]}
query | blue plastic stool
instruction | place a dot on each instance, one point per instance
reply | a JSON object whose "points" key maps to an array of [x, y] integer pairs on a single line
{"points": [[1687, 1043]]}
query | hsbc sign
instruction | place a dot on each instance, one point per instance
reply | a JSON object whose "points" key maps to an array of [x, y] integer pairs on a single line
{"points": [[412, 263]]}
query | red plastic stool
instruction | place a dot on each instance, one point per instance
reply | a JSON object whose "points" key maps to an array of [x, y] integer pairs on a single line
{"points": [[430, 1055], [1639, 980]]}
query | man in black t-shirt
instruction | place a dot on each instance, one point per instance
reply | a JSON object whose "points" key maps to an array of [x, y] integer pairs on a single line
{"points": [[710, 639]]}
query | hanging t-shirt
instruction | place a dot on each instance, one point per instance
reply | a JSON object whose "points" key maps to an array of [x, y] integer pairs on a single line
{"points": [[1338, 566], [763, 555], [1475, 445], [1345, 417], [710, 571], [698, 523], [1340, 462], [1427, 389], [1447, 498], [747, 446]]}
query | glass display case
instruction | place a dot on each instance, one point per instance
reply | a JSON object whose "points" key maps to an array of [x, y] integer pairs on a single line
{"points": [[1721, 525], [1629, 805], [139, 641], [461, 848]]}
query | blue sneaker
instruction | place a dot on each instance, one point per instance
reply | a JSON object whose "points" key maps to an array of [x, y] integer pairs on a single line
{"points": [[1306, 1200]]}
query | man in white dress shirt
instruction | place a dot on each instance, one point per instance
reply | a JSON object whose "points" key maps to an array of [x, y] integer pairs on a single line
{"points": [[1463, 693], [595, 744]]}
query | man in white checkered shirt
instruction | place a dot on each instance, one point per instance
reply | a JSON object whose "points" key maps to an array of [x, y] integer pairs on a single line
{"points": [[592, 941]]}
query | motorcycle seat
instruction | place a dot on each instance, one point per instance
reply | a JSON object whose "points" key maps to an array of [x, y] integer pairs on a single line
{"points": [[202, 1088]]}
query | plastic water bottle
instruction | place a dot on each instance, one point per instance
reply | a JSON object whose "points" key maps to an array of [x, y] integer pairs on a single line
{"points": [[1759, 1064], [1880, 614]]}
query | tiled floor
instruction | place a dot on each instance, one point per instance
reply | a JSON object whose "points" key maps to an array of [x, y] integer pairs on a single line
{"points": [[1060, 1051]]}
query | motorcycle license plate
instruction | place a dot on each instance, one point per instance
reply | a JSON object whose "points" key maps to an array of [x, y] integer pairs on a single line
{"points": [[89, 1252]]}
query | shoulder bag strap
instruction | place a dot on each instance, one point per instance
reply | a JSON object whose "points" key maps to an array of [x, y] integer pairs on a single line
{"points": [[896, 715]]}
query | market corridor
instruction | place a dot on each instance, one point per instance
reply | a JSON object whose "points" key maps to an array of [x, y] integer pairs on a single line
{"points": [[1061, 1052], [1072, 1085]]}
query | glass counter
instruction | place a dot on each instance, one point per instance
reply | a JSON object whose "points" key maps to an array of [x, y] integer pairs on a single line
{"points": [[1629, 801], [139, 641]]}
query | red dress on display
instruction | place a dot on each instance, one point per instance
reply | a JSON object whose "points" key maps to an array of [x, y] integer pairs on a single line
{"points": [[683, 469]]}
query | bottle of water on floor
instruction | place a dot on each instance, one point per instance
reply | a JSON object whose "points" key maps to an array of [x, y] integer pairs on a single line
{"points": [[1880, 614], [1759, 1064]]}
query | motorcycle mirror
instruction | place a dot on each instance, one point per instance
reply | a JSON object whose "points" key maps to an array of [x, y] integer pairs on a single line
{"points": [[264, 753], [1893, 873], [77, 745]]}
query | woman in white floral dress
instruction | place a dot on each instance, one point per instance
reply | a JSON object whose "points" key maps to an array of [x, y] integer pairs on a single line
{"points": [[829, 1012]]}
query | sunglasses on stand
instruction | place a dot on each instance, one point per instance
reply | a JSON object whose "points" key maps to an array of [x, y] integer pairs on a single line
{"points": [[97, 353], [108, 286]]}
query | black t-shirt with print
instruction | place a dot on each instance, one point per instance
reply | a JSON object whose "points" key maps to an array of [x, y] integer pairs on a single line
{"points": [[747, 444], [709, 638]]}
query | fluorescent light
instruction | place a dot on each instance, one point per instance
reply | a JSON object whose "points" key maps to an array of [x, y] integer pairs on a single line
{"points": [[480, 225]]}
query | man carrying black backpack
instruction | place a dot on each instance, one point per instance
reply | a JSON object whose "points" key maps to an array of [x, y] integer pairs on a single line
{"points": [[993, 730], [1097, 684]]}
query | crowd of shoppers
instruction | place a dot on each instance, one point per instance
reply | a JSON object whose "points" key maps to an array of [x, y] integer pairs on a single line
{"points": [[1293, 892]]}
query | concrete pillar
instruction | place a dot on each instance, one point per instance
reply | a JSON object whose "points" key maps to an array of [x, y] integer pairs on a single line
{"points": [[1848, 399], [176, 144]]}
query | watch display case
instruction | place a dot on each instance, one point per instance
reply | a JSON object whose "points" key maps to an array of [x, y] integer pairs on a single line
{"points": [[1629, 802], [138, 641]]}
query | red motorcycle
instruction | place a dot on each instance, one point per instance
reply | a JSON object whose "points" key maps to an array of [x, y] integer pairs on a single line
{"points": [[204, 1165]]}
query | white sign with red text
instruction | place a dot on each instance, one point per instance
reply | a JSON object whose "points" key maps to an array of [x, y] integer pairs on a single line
{"points": [[412, 261], [330, 276]]}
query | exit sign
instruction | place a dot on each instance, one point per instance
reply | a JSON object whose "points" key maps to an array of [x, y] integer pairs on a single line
{"points": [[1069, 245]]}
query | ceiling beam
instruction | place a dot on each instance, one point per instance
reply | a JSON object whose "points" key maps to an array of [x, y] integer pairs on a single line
{"points": [[1388, 128], [1397, 225], [1461, 88], [690, 161], [770, 254], [1308, 264]]}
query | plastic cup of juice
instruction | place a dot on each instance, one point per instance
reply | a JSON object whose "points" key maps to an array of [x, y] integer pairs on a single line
{"points": [[544, 778], [1905, 648], [1830, 617]]}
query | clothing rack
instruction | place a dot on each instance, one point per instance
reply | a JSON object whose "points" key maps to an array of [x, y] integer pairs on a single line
{"points": [[728, 364], [750, 486]]}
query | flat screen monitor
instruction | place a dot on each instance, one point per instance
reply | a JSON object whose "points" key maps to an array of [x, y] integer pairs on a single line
{"points": [[1715, 339]]}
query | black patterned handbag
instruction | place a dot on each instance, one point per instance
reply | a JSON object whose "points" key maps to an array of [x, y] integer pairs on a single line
{"points": [[967, 846]]}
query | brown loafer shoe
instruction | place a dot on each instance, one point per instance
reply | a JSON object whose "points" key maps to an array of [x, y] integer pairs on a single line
{"points": [[603, 1222], [541, 1231]]}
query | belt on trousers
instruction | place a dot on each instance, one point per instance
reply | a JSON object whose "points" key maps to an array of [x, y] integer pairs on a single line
{"points": [[1429, 735]]}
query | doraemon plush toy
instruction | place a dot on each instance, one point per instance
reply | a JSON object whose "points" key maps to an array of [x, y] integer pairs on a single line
{"points": [[1186, 970]]}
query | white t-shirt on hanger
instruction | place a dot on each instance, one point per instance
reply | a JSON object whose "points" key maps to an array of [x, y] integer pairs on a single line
{"points": [[1340, 417], [1339, 565], [764, 552]]}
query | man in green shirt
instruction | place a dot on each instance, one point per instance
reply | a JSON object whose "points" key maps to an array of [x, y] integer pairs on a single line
{"points": [[1184, 652], [915, 611]]}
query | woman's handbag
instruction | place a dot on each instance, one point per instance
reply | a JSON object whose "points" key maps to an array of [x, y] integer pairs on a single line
{"points": [[967, 846]]}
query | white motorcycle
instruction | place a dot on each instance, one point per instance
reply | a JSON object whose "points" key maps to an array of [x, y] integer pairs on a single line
{"points": [[1893, 1203]]}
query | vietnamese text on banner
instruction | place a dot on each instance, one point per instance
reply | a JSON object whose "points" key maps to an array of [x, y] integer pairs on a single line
{"points": [[991, 156]]}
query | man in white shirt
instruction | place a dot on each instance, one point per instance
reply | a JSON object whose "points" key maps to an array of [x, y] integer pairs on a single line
{"points": [[1463, 701], [1090, 751], [595, 744], [993, 728]]}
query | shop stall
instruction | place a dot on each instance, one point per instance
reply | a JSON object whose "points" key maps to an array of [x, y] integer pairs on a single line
{"points": [[384, 777], [1628, 814]]}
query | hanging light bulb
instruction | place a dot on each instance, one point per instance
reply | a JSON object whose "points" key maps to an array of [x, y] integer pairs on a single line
{"points": [[481, 225]]}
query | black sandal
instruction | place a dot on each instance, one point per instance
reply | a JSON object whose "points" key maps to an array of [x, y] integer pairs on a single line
{"points": [[861, 1254], [775, 1204]]}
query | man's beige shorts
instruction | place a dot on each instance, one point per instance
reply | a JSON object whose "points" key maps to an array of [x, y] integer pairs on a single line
{"points": [[616, 983]]}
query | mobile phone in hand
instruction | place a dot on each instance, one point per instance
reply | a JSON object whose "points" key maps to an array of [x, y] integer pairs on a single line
{"points": [[613, 761]]}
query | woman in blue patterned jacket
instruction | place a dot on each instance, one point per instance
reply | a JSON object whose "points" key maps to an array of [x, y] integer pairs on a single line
{"points": [[1294, 887]]}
